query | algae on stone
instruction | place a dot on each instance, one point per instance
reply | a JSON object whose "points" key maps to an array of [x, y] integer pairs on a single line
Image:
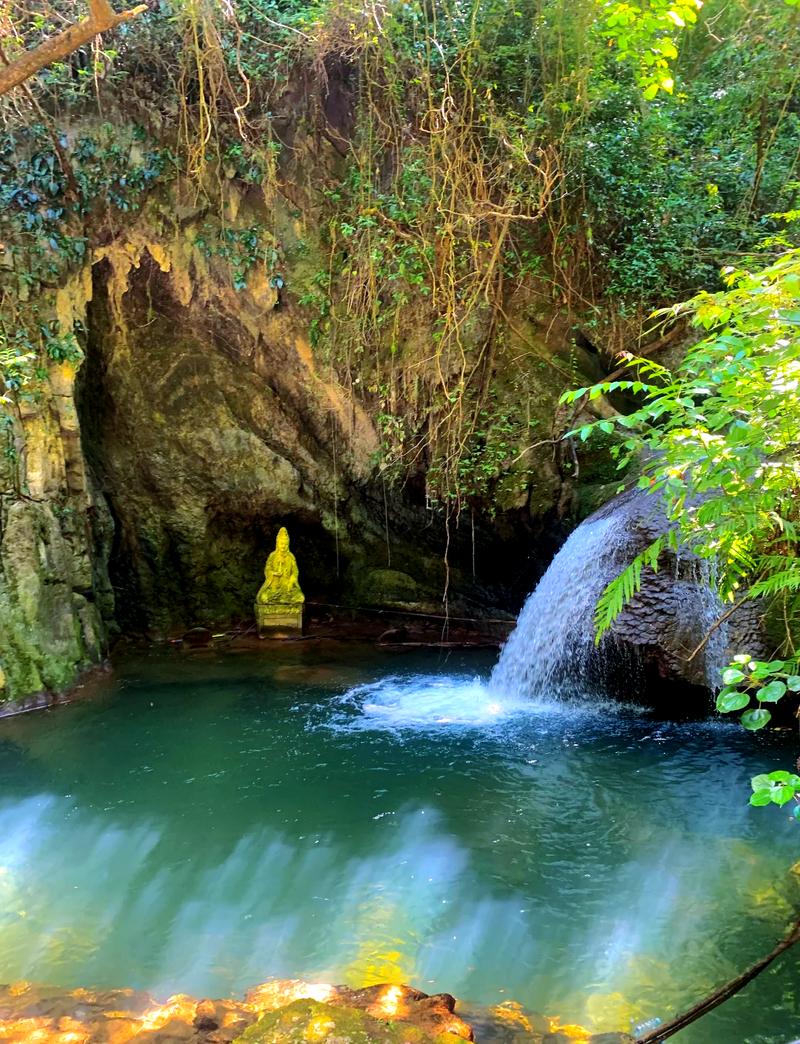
{"points": [[308, 1021], [55, 597]]}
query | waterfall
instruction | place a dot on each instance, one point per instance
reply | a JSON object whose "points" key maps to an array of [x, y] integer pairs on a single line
{"points": [[552, 651]]}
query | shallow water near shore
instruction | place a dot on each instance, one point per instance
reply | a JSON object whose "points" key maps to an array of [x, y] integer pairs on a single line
{"points": [[345, 815]]}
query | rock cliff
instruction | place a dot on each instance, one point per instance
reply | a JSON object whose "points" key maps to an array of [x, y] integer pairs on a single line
{"points": [[145, 478]]}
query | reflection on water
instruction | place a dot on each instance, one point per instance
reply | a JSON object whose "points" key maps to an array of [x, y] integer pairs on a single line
{"points": [[212, 822]]}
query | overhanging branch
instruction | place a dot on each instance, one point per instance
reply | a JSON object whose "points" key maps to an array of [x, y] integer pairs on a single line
{"points": [[713, 1000], [101, 18]]}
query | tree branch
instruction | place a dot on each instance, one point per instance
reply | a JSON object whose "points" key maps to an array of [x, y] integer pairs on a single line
{"points": [[649, 349], [717, 623], [710, 1002], [101, 19]]}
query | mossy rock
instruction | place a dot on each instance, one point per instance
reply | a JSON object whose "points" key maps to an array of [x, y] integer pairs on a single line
{"points": [[308, 1021], [384, 587]]}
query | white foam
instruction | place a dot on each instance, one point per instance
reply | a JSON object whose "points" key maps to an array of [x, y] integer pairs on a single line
{"points": [[441, 702]]}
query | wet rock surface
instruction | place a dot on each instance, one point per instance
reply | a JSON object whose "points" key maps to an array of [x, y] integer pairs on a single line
{"points": [[668, 645], [673, 622], [279, 1011], [275, 1012]]}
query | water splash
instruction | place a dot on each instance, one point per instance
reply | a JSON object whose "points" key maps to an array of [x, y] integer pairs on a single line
{"points": [[451, 703], [434, 702], [552, 653]]}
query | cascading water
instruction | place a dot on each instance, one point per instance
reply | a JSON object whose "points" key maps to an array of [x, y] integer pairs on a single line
{"points": [[551, 663], [551, 650], [552, 653]]}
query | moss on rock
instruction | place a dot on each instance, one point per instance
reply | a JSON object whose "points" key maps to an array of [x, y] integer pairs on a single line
{"points": [[308, 1021], [50, 630]]}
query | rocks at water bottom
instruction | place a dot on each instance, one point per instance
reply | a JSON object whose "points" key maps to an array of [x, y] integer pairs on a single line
{"points": [[382, 1014], [277, 1012], [273, 1013], [595, 1038], [305, 1021]]}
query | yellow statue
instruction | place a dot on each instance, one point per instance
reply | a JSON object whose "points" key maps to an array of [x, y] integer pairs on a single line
{"points": [[279, 603]]}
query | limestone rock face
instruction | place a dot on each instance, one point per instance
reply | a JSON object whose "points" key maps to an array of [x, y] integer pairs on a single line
{"points": [[139, 490], [210, 423], [55, 599]]}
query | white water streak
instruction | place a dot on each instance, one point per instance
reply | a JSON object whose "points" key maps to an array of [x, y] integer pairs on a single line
{"points": [[551, 648]]}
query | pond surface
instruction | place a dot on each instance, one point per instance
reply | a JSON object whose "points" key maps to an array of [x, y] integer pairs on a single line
{"points": [[211, 820]]}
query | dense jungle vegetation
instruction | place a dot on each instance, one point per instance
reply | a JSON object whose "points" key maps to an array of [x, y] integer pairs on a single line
{"points": [[613, 157]]}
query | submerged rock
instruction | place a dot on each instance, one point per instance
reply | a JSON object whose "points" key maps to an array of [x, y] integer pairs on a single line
{"points": [[205, 1016], [198, 638], [307, 1020], [277, 1011], [577, 1035], [374, 1010], [611, 1038]]}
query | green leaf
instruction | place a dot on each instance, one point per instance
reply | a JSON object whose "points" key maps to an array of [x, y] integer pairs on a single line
{"points": [[760, 798], [781, 794], [732, 701], [762, 782], [732, 676], [771, 693], [780, 776], [793, 683], [756, 719], [765, 669]]}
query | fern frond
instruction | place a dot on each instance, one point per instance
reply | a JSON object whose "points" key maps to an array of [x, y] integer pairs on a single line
{"points": [[623, 588], [785, 580], [606, 388]]}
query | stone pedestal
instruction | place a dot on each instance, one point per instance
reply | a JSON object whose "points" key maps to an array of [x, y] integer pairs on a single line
{"points": [[278, 619]]}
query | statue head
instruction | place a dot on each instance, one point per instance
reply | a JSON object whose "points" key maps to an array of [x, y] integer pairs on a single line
{"points": [[282, 540]]}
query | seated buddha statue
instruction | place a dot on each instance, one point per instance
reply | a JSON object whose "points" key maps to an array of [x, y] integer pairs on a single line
{"points": [[279, 602]]}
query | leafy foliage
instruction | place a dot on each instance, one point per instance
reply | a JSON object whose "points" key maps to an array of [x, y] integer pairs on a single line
{"points": [[591, 157], [242, 248], [719, 435], [777, 788], [644, 35], [718, 439], [762, 681]]}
